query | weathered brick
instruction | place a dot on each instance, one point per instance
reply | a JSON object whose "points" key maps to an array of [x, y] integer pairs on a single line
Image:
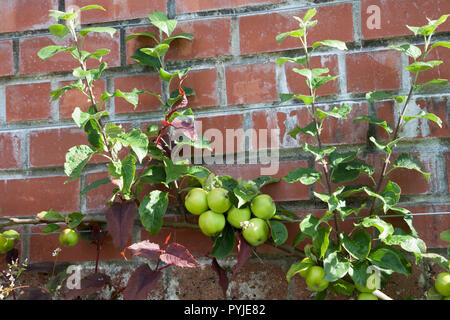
{"points": [[29, 196], [26, 102], [247, 84], [6, 56], [373, 71], [257, 32], [185, 6], [10, 146]]}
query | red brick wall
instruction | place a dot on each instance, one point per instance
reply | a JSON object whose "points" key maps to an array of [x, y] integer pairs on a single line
{"points": [[234, 72]]}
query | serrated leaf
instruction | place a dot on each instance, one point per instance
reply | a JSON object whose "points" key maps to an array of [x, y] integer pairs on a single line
{"points": [[386, 229], [59, 30], [76, 159], [107, 30], [160, 20], [340, 45], [424, 115], [186, 36], [306, 176], [138, 142], [391, 259], [177, 255], [294, 33], [49, 51], [411, 163], [376, 121], [299, 60], [408, 49], [335, 267], [95, 184], [152, 209], [420, 66], [50, 215], [336, 158], [336, 112], [278, 231], [50, 228], [359, 245], [141, 34], [74, 219]]}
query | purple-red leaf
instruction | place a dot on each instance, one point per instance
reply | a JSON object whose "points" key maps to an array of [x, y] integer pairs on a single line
{"points": [[89, 285], [120, 220], [223, 279], [187, 127], [141, 283], [177, 255], [146, 249], [244, 253]]}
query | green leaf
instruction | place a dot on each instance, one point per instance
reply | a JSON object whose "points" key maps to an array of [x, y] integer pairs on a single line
{"points": [[306, 99], [201, 142], [308, 225], [160, 20], [50, 215], [95, 184], [107, 30], [224, 243], [358, 272], [437, 82], [173, 171], [336, 158], [152, 209], [320, 81], [318, 153], [391, 195], [145, 59], [50, 228], [424, 115], [445, 235], [264, 180], [294, 33], [141, 34], [157, 51], [406, 241], [186, 36], [391, 259], [385, 146], [411, 163], [59, 30], [306, 176], [359, 245], [97, 54], [56, 94], [335, 267], [297, 267], [336, 112], [74, 219], [309, 14], [49, 51], [138, 142], [440, 260], [408, 49], [376, 121], [445, 44], [278, 231], [342, 287], [76, 159], [128, 173], [340, 45], [245, 191], [386, 229], [154, 174], [420, 66], [321, 239], [92, 6], [299, 60], [349, 171]]}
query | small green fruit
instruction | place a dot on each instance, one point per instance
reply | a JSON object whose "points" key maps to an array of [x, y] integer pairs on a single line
{"points": [[432, 294], [6, 244], [211, 223], [237, 215], [263, 206], [442, 283], [68, 237], [304, 271], [367, 296], [218, 200], [255, 231], [196, 201], [314, 279]]}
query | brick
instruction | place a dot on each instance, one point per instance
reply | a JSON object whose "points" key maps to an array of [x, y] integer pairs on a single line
{"points": [[33, 195], [97, 198], [268, 125], [247, 84], [212, 38], [257, 32], [42, 247], [26, 15], [185, 6], [386, 111], [447, 158], [370, 71], [280, 191], [439, 72], [147, 102], [49, 147], [395, 15], [204, 83], [63, 61], [75, 98], [26, 102], [296, 83], [10, 144], [218, 129], [114, 10], [6, 56]]}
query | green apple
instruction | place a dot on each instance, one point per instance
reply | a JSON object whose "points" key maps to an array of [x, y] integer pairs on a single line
{"points": [[196, 201], [372, 283], [446, 298], [68, 237], [367, 296], [432, 294], [211, 223], [314, 279], [218, 200], [263, 206], [303, 272], [255, 231], [442, 283], [237, 215]]}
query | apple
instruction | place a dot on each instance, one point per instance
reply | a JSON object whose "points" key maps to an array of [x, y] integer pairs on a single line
{"points": [[263, 206], [6, 244], [255, 231], [218, 200], [367, 296], [372, 283], [432, 294], [303, 272], [442, 283], [314, 279], [237, 215], [211, 222], [196, 201], [68, 237]]}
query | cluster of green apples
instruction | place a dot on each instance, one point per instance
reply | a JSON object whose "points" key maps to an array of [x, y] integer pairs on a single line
{"points": [[215, 209], [441, 288], [7, 240], [314, 278]]}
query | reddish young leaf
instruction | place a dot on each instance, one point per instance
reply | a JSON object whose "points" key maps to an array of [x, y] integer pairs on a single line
{"points": [[223, 279], [187, 127], [177, 255], [89, 285], [167, 239], [120, 220], [146, 249], [244, 253], [141, 283]]}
